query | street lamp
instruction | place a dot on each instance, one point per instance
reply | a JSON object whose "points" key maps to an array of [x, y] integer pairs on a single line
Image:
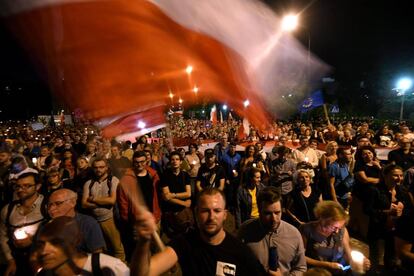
{"points": [[402, 86], [289, 22]]}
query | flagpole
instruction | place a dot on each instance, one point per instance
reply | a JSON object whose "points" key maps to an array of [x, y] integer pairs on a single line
{"points": [[326, 114]]}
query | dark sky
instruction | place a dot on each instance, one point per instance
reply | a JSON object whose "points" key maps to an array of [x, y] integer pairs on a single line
{"points": [[358, 38]]}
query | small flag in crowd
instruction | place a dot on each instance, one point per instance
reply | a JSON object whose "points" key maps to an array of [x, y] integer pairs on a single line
{"points": [[309, 103]]}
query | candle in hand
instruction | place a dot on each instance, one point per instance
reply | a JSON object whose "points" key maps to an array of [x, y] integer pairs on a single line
{"points": [[357, 261], [20, 234]]}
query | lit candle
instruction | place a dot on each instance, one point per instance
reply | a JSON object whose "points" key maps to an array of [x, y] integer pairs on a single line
{"points": [[306, 159], [357, 261], [194, 162], [20, 234], [254, 165]]}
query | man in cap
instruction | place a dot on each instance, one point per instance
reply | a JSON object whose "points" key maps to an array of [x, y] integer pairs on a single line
{"points": [[210, 174]]}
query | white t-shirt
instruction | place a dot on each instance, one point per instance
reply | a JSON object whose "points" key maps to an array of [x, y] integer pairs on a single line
{"points": [[118, 267]]}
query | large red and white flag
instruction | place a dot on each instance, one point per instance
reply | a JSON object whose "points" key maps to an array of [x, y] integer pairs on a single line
{"points": [[110, 58]]}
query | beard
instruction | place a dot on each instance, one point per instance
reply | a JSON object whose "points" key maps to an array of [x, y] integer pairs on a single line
{"points": [[211, 233]]}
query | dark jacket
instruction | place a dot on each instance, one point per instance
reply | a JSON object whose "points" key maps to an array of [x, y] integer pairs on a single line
{"points": [[244, 203]]}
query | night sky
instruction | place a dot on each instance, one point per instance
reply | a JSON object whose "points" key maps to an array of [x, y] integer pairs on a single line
{"points": [[364, 41]]}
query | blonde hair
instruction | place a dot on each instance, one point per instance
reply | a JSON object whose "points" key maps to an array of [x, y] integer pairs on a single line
{"points": [[329, 210], [329, 147], [309, 172]]}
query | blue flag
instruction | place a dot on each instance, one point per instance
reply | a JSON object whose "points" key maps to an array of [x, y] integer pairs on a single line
{"points": [[314, 100]]}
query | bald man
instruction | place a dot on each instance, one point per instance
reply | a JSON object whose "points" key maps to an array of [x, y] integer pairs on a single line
{"points": [[62, 202]]}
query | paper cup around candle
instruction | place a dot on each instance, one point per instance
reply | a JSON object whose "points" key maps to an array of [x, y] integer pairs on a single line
{"points": [[357, 261]]}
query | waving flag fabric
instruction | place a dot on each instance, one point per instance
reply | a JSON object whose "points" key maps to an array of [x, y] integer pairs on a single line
{"points": [[113, 58]]}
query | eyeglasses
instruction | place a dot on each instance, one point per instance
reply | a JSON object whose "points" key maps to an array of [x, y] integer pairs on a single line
{"points": [[57, 203], [23, 187], [333, 228]]}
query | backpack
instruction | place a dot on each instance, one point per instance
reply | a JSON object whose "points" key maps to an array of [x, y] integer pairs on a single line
{"points": [[108, 182], [117, 216]]}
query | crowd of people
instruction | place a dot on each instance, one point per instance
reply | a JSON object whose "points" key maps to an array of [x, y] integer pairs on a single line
{"points": [[74, 202]]}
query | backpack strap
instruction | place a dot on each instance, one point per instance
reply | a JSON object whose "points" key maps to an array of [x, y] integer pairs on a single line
{"points": [[10, 208], [96, 265], [109, 183], [93, 180]]}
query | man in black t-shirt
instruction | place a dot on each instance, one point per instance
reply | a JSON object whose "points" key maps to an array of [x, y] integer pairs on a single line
{"points": [[210, 174], [403, 156], [175, 186], [177, 217], [207, 251]]}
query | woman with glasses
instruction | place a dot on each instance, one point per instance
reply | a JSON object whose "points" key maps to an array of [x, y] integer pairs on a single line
{"points": [[326, 240]]}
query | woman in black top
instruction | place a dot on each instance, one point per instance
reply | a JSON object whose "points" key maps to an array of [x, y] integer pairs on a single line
{"points": [[302, 199]]}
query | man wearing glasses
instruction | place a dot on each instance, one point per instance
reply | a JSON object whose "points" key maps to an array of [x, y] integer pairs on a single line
{"points": [[141, 180], [62, 203], [99, 196], [19, 222]]}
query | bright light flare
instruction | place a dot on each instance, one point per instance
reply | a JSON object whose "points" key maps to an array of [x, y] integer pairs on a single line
{"points": [[246, 103], [289, 23], [141, 124], [171, 95], [195, 89], [224, 107], [180, 101], [357, 261], [189, 69], [404, 84]]}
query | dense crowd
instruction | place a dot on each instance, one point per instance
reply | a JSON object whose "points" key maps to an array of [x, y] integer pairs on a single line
{"points": [[69, 189]]}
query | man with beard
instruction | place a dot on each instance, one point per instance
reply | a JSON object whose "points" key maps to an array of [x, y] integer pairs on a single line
{"points": [[19, 222], [99, 197], [207, 251], [142, 180], [270, 236], [210, 174]]}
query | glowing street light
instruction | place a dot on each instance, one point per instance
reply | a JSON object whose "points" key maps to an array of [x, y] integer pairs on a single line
{"points": [[171, 95], [180, 101], [402, 86], [224, 107], [289, 22], [195, 89], [246, 103], [189, 69]]}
